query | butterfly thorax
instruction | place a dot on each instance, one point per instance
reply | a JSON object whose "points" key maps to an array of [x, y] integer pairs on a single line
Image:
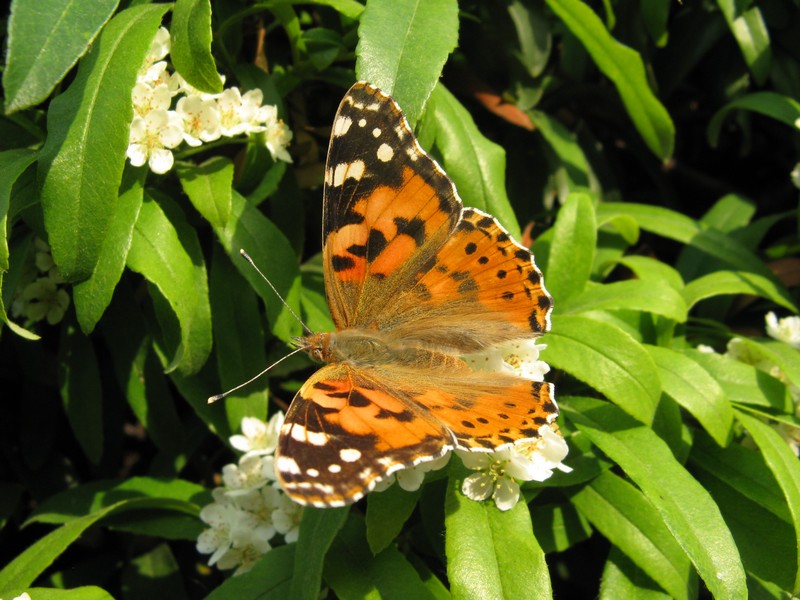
{"points": [[365, 348]]}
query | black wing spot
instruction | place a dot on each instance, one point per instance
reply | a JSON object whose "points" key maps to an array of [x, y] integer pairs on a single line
{"points": [[501, 274], [485, 222], [358, 399], [376, 242], [467, 286], [468, 424], [522, 254], [459, 275], [483, 260], [533, 321], [534, 277], [507, 295], [470, 248], [342, 263], [415, 229], [358, 250], [502, 237], [483, 420], [545, 302]]}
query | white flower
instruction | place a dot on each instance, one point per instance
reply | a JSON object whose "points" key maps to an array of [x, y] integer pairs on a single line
{"points": [[786, 330], [43, 299], [237, 537], [23, 596], [520, 357], [411, 479], [252, 472], [277, 136], [151, 137], [795, 174], [526, 461], [258, 437], [706, 349], [287, 517], [200, 120], [160, 45], [239, 114], [147, 98]]}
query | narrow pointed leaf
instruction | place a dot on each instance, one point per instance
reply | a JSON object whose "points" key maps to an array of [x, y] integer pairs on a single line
{"points": [[83, 157], [685, 507], [572, 249]]}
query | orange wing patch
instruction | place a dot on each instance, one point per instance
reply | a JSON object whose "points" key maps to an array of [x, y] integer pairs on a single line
{"points": [[344, 432], [482, 263]]}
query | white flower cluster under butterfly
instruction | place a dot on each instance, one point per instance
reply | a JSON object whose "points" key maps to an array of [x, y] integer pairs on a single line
{"points": [[197, 118], [251, 510], [786, 330]]}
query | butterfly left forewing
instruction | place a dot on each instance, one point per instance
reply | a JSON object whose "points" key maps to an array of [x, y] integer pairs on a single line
{"points": [[387, 207]]}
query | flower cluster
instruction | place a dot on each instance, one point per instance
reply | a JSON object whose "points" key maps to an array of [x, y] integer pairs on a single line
{"points": [[786, 330], [197, 117], [250, 510], [535, 460], [42, 294]]}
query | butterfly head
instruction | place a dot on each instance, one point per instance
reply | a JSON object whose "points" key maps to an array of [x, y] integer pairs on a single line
{"points": [[317, 346]]}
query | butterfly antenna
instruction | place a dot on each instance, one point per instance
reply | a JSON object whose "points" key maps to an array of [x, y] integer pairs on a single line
{"points": [[213, 399], [306, 330]]}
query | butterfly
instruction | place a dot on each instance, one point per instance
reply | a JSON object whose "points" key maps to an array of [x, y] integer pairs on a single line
{"points": [[414, 282]]}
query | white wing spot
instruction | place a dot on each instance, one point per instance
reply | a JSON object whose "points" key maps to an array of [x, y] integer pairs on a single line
{"points": [[362, 122], [312, 472], [349, 454], [334, 468], [301, 434], [385, 153], [376, 132], [341, 126], [343, 171], [287, 464]]}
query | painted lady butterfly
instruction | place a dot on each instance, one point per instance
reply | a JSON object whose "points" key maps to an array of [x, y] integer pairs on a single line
{"points": [[414, 282]]}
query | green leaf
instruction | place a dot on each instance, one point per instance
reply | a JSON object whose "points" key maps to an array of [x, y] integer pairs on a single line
{"points": [[166, 252], [270, 578], [81, 163], [558, 527], [534, 36], [318, 529], [476, 165], [239, 339], [154, 573], [209, 188], [607, 359], [785, 467], [720, 283], [655, 297], [353, 572], [624, 67], [89, 498], [750, 32], [402, 47], [691, 386], [26, 567], [678, 227], [572, 248], [564, 144], [12, 164], [84, 592], [772, 352], [655, 15], [753, 505], [743, 383], [250, 230], [45, 40], [387, 512], [627, 519], [81, 393], [621, 578], [190, 51], [777, 106], [490, 553], [729, 213], [653, 270], [685, 507], [323, 46], [93, 295]]}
